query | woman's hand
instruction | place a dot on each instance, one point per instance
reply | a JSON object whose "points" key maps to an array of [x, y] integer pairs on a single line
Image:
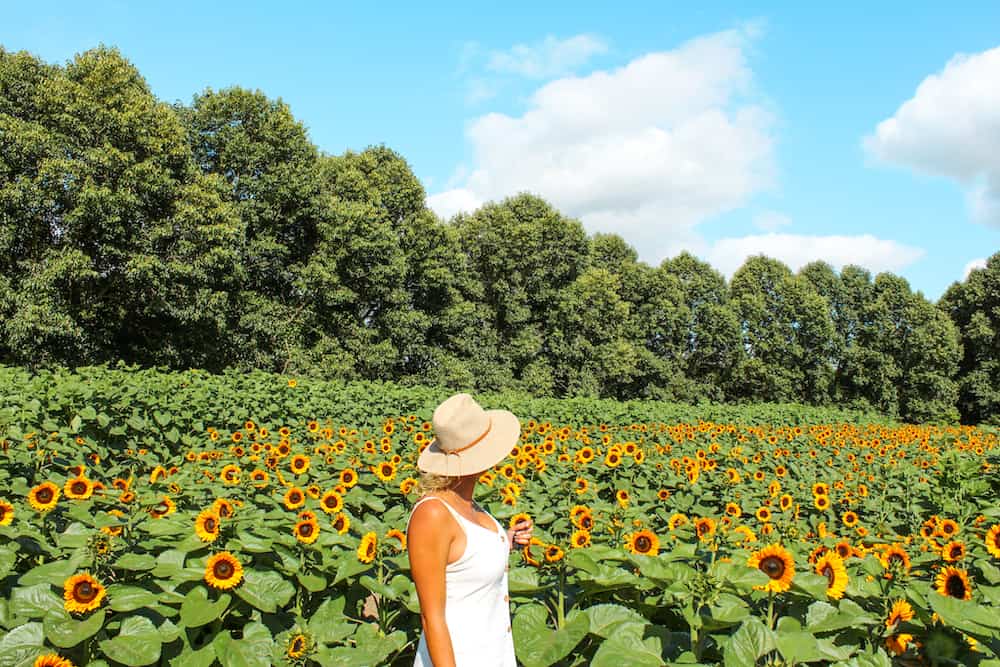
{"points": [[520, 534]]}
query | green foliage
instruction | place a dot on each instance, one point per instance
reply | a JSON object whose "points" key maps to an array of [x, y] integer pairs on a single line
{"points": [[216, 235]]}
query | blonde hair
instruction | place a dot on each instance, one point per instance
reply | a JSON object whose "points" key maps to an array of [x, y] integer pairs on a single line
{"points": [[429, 482]]}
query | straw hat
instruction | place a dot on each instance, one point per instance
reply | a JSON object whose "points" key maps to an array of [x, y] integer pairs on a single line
{"points": [[468, 439]]}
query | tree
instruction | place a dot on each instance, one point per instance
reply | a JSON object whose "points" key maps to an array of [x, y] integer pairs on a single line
{"points": [[787, 335], [114, 246], [974, 307], [710, 336]]}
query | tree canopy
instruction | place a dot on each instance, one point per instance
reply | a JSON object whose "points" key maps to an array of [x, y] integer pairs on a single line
{"points": [[216, 235]]}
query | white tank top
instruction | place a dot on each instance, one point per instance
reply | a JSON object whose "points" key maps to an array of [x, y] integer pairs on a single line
{"points": [[477, 607]]}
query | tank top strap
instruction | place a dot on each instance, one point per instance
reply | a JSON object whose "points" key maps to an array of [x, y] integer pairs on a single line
{"points": [[454, 512]]}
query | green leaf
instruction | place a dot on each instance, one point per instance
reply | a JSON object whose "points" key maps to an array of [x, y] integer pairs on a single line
{"points": [[252, 650], [129, 598], [34, 601], [137, 562], [22, 645], [538, 645], [54, 573], [66, 632], [196, 610], [265, 590], [7, 559], [138, 643], [312, 582], [812, 584], [607, 619], [750, 642], [633, 648], [328, 624]]}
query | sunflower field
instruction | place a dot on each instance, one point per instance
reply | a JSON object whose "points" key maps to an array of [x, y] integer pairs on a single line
{"points": [[180, 519]]}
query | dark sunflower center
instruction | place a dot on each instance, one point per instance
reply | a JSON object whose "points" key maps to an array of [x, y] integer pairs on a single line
{"points": [[295, 497], [996, 540], [386, 470], [306, 530], [223, 569], [79, 488], [225, 512], [338, 524], [84, 592], [331, 501], [643, 544], [829, 574], [44, 495], [298, 644], [370, 551], [161, 508], [586, 522], [210, 525], [956, 552], [773, 567], [955, 586]]}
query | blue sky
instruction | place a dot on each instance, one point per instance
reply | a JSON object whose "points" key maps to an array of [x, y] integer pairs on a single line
{"points": [[851, 134]]}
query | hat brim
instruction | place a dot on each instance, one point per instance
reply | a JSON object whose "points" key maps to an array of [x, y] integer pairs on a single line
{"points": [[491, 450]]}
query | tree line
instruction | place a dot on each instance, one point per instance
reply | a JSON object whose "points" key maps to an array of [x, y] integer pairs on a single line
{"points": [[215, 235]]}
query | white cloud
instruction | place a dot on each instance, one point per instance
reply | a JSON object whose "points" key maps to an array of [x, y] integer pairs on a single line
{"points": [[951, 128], [548, 58], [648, 150], [876, 255], [771, 221], [974, 264], [450, 202]]}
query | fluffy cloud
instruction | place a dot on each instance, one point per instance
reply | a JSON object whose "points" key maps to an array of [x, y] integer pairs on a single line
{"points": [[648, 150], [974, 264], [951, 128], [548, 58], [771, 221], [727, 255]]}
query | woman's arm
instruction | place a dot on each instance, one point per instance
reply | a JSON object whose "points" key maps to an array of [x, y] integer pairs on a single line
{"points": [[428, 542]]}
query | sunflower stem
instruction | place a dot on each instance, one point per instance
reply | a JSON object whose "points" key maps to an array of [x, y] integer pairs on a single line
{"points": [[770, 610]]}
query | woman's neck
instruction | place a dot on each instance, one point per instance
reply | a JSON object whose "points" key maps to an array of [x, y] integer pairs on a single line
{"points": [[464, 488]]}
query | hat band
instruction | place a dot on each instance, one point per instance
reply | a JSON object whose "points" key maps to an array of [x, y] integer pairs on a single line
{"points": [[489, 426]]}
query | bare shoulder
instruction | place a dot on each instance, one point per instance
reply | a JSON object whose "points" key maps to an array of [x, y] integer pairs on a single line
{"points": [[429, 516]]}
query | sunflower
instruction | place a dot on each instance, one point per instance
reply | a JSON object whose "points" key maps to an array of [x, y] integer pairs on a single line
{"points": [[585, 455], [831, 566], [677, 520], [897, 644], [733, 510], [849, 518], [526, 552], [306, 531], [821, 489], [82, 593], [367, 548], [348, 477], [580, 539], [399, 535], [663, 494], [993, 541], [341, 523], [900, 611], [6, 512], [298, 646], [581, 486], [223, 507], [822, 503], [894, 557], [785, 502], [407, 486], [78, 488], [223, 570], [313, 426], [953, 582], [313, 491], [763, 514], [230, 475], [553, 553], [518, 518], [643, 542], [746, 532], [776, 563], [947, 528], [385, 471], [51, 660], [300, 464], [44, 496], [294, 498], [622, 497], [163, 508], [260, 478], [613, 459], [953, 551], [331, 502], [704, 527], [308, 515], [206, 525]]}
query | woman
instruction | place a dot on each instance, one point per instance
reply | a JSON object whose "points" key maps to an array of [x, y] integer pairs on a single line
{"points": [[458, 552]]}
